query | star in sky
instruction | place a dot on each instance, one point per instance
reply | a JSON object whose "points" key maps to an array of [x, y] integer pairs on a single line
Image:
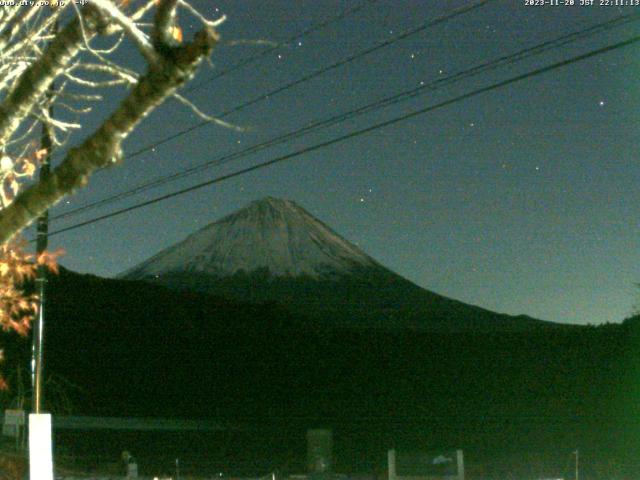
{"points": [[512, 121]]}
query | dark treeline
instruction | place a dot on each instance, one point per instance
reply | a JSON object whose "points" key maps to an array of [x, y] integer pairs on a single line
{"points": [[511, 400]]}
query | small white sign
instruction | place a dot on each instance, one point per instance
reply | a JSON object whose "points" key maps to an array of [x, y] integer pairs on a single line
{"points": [[132, 470], [13, 421]]}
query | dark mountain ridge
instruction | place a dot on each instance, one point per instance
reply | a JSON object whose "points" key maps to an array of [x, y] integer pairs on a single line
{"points": [[311, 331], [147, 330], [139, 349]]}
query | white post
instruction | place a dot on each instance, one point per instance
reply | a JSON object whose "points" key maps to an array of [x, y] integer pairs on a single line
{"points": [[460, 459], [391, 460], [40, 450]]}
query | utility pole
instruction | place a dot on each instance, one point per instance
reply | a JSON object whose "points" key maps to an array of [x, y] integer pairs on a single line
{"points": [[40, 435], [40, 441], [42, 241]]}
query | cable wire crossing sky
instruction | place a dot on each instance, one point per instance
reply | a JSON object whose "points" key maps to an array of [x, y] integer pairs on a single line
{"points": [[484, 150]]}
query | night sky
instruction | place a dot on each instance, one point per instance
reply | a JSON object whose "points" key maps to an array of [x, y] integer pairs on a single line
{"points": [[520, 200]]}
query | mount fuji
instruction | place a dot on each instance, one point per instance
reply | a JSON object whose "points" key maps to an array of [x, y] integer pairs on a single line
{"points": [[273, 250], [269, 317], [273, 235]]}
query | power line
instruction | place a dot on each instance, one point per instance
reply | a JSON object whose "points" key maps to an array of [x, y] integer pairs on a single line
{"points": [[248, 61], [403, 35], [290, 40], [387, 101], [305, 78], [360, 132]]}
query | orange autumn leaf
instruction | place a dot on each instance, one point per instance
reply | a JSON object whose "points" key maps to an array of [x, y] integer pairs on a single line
{"points": [[176, 33], [50, 259], [18, 308], [40, 154], [28, 168]]}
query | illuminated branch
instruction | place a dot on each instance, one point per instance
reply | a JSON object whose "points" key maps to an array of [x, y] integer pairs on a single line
{"points": [[104, 146]]}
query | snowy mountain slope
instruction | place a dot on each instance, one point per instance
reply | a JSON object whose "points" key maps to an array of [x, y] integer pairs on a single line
{"points": [[275, 251], [271, 234]]}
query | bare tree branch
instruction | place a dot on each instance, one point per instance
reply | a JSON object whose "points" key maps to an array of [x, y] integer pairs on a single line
{"points": [[164, 23], [35, 80], [129, 27], [208, 118], [102, 148]]}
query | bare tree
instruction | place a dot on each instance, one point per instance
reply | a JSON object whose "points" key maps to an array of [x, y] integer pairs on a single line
{"points": [[32, 58], [63, 55]]}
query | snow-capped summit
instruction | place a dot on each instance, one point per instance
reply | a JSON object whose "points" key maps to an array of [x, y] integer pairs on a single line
{"points": [[270, 234], [274, 251]]}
